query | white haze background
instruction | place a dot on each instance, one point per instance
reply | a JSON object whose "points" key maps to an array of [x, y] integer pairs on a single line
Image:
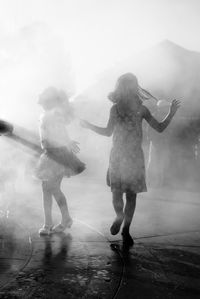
{"points": [[71, 44]]}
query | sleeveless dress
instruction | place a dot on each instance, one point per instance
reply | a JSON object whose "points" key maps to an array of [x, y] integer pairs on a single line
{"points": [[126, 166]]}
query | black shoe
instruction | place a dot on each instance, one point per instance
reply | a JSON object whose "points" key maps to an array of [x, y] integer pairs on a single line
{"points": [[127, 239], [115, 228]]}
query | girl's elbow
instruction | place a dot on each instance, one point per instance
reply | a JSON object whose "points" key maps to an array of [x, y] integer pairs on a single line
{"points": [[44, 144], [109, 133], [161, 129]]}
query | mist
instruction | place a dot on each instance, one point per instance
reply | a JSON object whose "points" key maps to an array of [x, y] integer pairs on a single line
{"points": [[31, 59], [36, 55]]}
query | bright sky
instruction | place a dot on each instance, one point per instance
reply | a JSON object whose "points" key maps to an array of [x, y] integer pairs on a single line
{"points": [[98, 33]]}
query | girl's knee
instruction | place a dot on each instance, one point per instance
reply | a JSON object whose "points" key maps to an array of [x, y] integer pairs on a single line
{"points": [[131, 196], [117, 195], [51, 185], [57, 192], [59, 197], [46, 187]]}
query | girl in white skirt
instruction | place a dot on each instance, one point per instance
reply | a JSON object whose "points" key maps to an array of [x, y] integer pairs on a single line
{"points": [[58, 159]]}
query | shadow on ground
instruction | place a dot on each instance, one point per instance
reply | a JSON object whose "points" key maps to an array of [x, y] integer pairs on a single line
{"points": [[86, 262]]}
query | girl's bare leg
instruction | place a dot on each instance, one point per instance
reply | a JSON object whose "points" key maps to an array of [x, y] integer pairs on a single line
{"points": [[128, 216], [118, 205], [62, 203], [47, 203]]}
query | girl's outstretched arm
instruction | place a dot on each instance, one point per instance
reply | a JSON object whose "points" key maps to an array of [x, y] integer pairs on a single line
{"points": [[161, 126], [107, 131]]}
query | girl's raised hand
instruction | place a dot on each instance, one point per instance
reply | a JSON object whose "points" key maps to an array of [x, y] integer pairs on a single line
{"points": [[174, 106], [74, 147]]}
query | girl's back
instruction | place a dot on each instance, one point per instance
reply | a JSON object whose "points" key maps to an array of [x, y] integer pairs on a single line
{"points": [[128, 127], [53, 128]]}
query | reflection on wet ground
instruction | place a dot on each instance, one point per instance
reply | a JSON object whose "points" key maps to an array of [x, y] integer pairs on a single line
{"points": [[85, 262], [61, 265], [15, 248]]}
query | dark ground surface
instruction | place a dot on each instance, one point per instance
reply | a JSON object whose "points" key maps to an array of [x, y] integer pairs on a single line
{"points": [[87, 262]]}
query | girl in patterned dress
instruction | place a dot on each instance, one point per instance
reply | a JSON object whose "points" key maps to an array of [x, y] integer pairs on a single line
{"points": [[126, 173], [58, 159]]}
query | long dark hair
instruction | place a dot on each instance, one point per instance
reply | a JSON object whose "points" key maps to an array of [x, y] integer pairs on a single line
{"points": [[128, 89]]}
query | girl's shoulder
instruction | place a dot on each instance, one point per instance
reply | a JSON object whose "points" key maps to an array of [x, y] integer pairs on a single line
{"points": [[42, 118], [113, 111], [46, 116], [61, 117]]}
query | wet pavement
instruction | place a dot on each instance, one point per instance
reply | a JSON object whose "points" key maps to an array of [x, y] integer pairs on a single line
{"points": [[87, 262]]}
